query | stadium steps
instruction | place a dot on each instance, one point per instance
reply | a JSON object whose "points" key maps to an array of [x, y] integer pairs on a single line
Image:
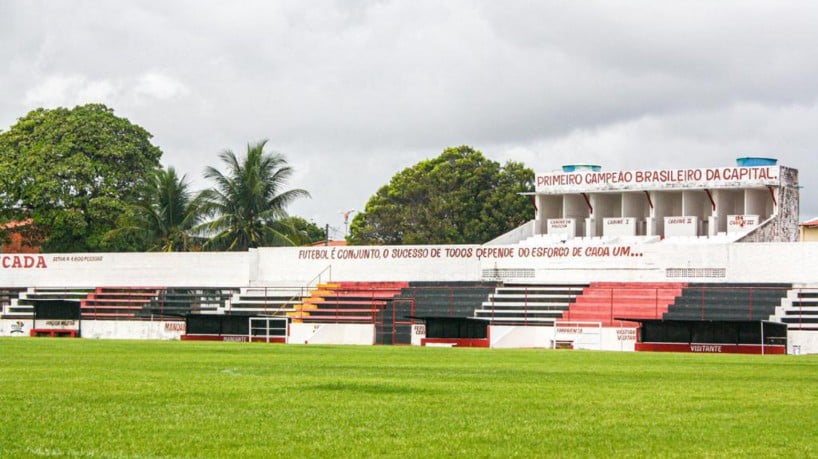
{"points": [[428, 299], [118, 302], [799, 309], [728, 301], [22, 308], [603, 302], [265, 301], [345, 302], [528, 304], [179, 301], [9, 296], [446, 299]]}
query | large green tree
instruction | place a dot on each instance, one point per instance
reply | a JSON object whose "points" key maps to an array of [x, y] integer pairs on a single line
{"points": [[248, 204], [73, 172], [166, 215], [304, 232], [457, 198]]}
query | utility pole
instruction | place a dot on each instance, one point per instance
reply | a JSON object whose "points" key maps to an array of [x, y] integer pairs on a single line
{"points": [[346, 214]]}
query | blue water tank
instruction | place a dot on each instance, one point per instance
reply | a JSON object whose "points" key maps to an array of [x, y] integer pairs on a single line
{"points": [[755, 161], [581, 167]]}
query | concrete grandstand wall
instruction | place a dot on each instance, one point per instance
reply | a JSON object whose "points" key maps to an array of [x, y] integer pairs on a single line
{"points": [[360, 334], [654, 262], [105, 329], [585, 336], [126, 269]]}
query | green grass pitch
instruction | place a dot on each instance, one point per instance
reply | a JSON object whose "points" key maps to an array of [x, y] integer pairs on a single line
{"points": [[147, 399]]}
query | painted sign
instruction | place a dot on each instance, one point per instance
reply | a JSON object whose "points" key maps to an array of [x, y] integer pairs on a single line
{"points": [[22, 262], [59, 324], [175, 327], [741, 223], [619, 226], [626, 334], [559, 182], [477, 252], [712, 348], [563, 227], [681, 226], [18, 327]]}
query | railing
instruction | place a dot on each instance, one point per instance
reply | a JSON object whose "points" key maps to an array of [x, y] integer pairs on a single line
{"points": [[274, 300], [608, 303], [534, 309], [757, 297], [365, 305], [611, 304], [449, 295], [351, 304]]}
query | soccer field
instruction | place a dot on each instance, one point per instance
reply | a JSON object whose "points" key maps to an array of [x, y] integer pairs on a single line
{"points": [[88, 398]]}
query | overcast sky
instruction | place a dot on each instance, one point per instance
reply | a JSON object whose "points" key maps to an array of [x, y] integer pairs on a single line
{"points": [[353, 91]]}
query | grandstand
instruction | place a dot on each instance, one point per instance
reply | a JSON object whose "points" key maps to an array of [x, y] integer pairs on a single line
{"points": [[604, 253]]}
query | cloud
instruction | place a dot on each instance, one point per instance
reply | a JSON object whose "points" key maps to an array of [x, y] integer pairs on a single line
{"points": [[70, 90], [352, 92], [157, 86]]}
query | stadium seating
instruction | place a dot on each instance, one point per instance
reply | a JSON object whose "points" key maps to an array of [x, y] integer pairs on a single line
{"points": [[528, 304], [447, 299], [179, 301], [727, 301], [604, 302], [21, 308], [799, 309], [345, 302], [265, 301], [428, 299], [118, 302], [9, 297]]}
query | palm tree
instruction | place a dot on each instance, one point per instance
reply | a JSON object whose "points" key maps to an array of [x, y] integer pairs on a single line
{"points": [[166, 215], [247, 203]]}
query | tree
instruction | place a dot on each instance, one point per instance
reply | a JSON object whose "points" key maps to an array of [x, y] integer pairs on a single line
{"points": [[165, 216], [459, 197], [247, 203], [73, 171], [304, 232]]}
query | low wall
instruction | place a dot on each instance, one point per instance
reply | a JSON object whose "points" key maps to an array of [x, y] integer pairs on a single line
{"points": [[106, 329], [121, 329], [15, 327], [520, 337], [590, 338], [361, 334], [579, 337], [802, 342]]}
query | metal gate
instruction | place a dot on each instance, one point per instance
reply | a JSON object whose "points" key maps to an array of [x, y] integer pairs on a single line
{"points": [[393, 325], [269, 329]]}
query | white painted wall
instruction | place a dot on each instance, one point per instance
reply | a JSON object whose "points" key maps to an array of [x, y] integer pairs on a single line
{"points": [[298, 265], [802, 342], [570, 262], [418, 333], [504, 336], [619, 226], [361, 334], [121, 329], [742, 262], [106, 329], [133, 269], [589, 338], [15, 327]]}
